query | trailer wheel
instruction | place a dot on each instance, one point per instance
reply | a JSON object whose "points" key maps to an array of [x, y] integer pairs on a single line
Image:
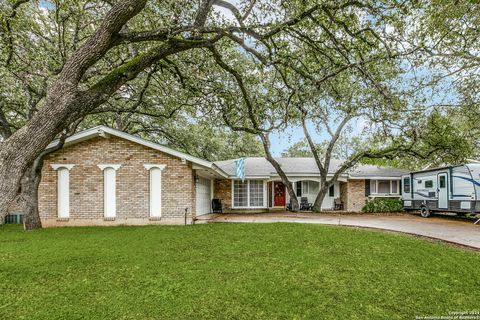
{"points": [[425, 212]]}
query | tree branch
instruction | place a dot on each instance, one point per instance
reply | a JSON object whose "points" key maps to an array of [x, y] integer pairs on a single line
{"points": [[101, 41]]}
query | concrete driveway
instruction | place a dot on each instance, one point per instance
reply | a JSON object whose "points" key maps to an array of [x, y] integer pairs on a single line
{"points": [[457, 231]]}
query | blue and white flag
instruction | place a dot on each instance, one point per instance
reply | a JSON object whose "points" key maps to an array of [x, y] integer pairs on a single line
{"points": [[240, 168]]}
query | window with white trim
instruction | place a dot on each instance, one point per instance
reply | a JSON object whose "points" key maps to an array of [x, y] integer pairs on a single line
{"points": [[256, 193], [313, 186], [394, 186], [384, 187], [305, 189], [298, 184], [250, 193], [240, 193], [373, 186]]}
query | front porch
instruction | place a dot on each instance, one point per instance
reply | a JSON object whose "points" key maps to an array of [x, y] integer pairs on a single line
{"points": [[306, 190], [266, 194]]}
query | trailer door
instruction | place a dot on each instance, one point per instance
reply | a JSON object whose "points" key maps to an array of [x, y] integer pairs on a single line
{"points": [[442, 191]]}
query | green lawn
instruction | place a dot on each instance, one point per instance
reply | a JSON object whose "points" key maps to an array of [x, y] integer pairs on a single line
{"points": [[240, 271]]}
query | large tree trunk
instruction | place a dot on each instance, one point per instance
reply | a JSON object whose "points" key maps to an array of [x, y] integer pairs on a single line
{"points": [[322, 192], [31, 181], [65, 102], [29, 198], [19, 152], [268, 155]]}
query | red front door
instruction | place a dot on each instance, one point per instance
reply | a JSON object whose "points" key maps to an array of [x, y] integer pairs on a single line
{"points": [[278, 194]]}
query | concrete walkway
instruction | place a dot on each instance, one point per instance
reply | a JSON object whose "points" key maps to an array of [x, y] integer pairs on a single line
{"points": [[457, 231]]}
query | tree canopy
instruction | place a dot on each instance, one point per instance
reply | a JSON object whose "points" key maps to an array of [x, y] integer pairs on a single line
{"points": [[409, 70]]}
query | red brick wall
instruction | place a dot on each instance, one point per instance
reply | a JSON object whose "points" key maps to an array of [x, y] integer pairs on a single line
{"points": [[222, 189], [355, 195], [86, 183]]}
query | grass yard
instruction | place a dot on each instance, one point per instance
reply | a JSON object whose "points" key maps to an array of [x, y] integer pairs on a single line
{"points": [[239, 271]]}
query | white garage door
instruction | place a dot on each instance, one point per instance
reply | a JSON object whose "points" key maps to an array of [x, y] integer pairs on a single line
{"points": [[204, 198]]}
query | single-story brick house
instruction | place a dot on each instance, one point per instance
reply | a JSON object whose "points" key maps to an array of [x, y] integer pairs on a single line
{"points": [[103, 176]]}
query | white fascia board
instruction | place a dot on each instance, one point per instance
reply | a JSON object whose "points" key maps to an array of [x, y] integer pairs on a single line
{"points": [[214, 170], [219, 170], [250, 178], [374, 178], [76, 138], [306, 174]]}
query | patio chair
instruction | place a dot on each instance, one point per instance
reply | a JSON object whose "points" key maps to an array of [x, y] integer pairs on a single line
{"points": [[338, 204], [305, 205], [217, 206]]}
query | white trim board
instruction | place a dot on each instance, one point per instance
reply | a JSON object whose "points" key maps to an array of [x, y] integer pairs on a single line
{"points": [[155, 190], [59, 166], [158, 166], [113, 166]]}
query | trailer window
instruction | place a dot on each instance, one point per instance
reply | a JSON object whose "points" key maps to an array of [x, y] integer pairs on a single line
{"points": [[442, 182], [429, 184], [406, 185]]}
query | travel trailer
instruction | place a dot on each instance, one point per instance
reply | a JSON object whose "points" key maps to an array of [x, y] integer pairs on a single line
{"points": [[449, 189]]}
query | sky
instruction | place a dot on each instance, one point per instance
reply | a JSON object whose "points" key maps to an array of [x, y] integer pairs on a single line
{"points": [[280, 141]]}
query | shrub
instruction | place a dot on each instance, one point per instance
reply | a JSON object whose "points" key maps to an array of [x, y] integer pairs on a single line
{"points": [[316, 210], [383, 205]]}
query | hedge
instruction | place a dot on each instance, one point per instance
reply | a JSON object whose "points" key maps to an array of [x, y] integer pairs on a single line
{"points": [[383, 205]]}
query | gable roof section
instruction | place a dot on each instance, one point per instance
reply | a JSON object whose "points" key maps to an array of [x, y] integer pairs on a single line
{"points": [[104, 131], [259, 167], [255, 167]]}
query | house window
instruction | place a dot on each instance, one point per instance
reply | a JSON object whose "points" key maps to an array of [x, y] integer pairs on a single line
{"points": [[429, 184], [384, 186], [313, 187], [305, 189], [250, 193], [406, 185], [256, 193], [299, 188], [240, 193], [394, 186], [331, 191]]}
